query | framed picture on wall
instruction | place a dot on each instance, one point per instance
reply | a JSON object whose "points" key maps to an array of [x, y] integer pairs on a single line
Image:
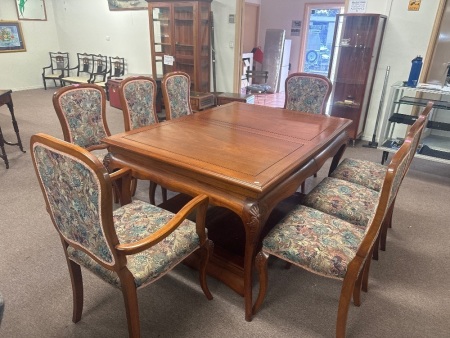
{"points": [[126, 5], [31, 10], [11, 38]]}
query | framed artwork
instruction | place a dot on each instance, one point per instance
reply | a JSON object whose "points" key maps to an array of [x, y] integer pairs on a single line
{"points": [[31, 10], [11, 38], [127, 5]]}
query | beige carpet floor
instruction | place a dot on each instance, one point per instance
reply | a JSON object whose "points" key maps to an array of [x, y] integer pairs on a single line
{"points": [[409, 292]]}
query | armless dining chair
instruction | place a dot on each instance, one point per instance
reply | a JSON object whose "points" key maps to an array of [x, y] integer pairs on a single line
{"points": [[128, 248], [308, 93], [328, 245], [138, 99], [176, 89]]}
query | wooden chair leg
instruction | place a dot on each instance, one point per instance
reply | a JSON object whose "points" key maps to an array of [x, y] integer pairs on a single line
{"points": [[133, 186], [357, 290], [76, 279], [164, 194], [302, 190], [344, 303], [152, 192], [131, 304], [206, 252], [261, 267], [376, 245], [365, 273]]}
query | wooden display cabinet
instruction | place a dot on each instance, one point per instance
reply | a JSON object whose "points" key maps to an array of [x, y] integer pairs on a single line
{"points": [[354, 57], [180, 40]]}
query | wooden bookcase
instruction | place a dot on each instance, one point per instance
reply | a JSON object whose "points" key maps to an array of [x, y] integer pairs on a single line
{"points": [[180, 39], [354, 57]]}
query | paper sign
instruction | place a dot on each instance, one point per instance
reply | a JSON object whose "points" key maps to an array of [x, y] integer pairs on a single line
{"points": [[357, 6], [168, 60], [414, 5]]}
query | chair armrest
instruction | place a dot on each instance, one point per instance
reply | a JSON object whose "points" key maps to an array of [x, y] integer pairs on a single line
{"points": [[200, 202], [98, 147]]}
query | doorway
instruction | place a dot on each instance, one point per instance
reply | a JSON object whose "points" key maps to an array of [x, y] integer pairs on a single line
{"points": [[250, 27], [317, 37]]}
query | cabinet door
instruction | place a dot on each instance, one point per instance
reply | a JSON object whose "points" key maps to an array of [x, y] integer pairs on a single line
{"points": [[204, 34], [162, 40], [185, 36]]}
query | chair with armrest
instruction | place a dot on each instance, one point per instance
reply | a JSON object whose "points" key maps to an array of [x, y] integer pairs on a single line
{"points": [[130, 247], [371, 175], [138, 99], [116, 69], [176, 89], [99, 70], [257, 82], [330, 246], [58, 68], [83, 69], [309, 93]]}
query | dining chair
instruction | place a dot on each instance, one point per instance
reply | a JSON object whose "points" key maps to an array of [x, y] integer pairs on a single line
{"points": [[176, 89], [307, 92], [371, 174], [329, 246], [83, 69], [81, 110], [58, 68], [138, 100], [130, 247], [257, 83]]}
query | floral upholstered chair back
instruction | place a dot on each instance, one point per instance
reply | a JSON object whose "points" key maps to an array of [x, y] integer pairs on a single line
{"points": [[138, 97], [176, 92], [74, 194], [307, 92], [81, 110]]}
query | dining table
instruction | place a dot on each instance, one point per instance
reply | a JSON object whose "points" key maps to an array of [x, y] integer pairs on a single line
{"points": [[246, 158]]}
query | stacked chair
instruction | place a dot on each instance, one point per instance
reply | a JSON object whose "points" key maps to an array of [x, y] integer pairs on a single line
{"points": [[130, 247], [334, 231], [138, 100]]}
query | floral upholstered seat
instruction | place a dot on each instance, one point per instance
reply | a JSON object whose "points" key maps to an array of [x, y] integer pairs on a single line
{"points": [[317, 241], [334, 234], [176, 89], [138, 100], [129, 248], [307, 92], [367, 173], [348, 201]]}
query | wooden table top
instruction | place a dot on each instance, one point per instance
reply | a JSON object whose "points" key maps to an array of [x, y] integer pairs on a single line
{"points": [[244, 145]]}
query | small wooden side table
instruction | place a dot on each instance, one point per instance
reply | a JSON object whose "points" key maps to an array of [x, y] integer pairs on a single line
{"points": [[200, 101], [5, 98], [224, 98]]}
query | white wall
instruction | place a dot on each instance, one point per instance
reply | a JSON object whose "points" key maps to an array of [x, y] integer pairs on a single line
{"points": [[22, 70], [89, 26], [407, 35]]}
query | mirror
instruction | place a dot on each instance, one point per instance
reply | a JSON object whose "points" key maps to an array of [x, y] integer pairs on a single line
{"points": [[31, 10]]}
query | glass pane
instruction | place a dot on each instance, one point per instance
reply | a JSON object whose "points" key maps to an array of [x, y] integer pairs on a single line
{"points": [[161, 27], [319, 40]]}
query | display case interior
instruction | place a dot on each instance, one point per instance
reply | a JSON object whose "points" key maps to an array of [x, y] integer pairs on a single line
{"points": [[356, 46]]}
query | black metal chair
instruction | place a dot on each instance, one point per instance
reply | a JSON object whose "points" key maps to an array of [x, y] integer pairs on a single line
{"points": [[58, 68], [257, 82]]}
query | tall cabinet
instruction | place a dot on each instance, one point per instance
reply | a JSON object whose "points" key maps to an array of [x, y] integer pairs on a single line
{"points": [[180, 39], [354, 57]]}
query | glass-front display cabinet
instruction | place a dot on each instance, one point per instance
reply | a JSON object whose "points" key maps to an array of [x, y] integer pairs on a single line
{"points": [[180, 40], [354, 57]]}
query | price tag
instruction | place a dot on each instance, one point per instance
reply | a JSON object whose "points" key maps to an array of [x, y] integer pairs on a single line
{"points": [[168, 60]]}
